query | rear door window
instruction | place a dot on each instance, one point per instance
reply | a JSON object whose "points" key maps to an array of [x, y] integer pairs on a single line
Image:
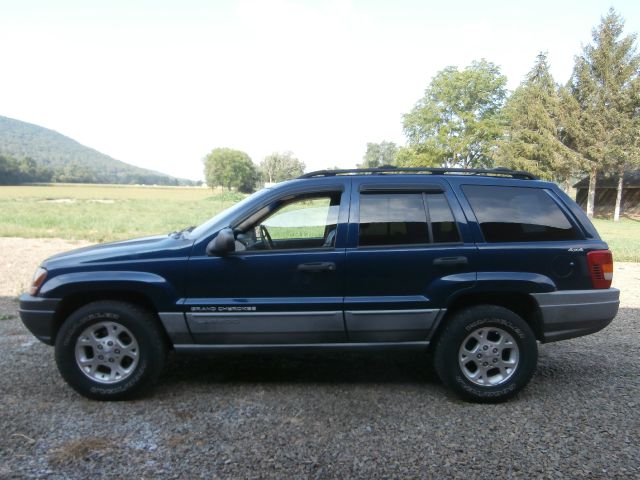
{"points": [[414, 218], [518, 214], [443, 225], [392, 219]]}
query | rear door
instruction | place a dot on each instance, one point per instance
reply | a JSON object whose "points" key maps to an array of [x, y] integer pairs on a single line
{"points": [[409, 250]]}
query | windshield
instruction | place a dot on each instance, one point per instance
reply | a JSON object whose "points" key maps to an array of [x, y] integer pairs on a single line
{"points": [[226, 215]]}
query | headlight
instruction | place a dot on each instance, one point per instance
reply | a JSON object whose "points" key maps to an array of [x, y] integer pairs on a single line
{"points": [[38, 279]]}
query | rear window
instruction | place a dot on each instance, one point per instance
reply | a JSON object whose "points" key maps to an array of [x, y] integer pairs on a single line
{"points": [[518, 214]]}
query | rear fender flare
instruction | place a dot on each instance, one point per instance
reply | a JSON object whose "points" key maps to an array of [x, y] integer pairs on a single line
{"points": [[522, 282]]}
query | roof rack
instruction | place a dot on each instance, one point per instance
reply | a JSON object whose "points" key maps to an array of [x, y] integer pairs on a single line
{"points": [[499, 171]]}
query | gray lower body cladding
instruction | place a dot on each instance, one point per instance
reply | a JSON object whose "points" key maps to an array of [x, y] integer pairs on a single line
{"points": [[564, 314], [573, 313], [37, 314], [301, 328]]}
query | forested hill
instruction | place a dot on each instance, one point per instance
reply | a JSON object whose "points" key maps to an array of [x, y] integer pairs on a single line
{"points": [[30, 153]]}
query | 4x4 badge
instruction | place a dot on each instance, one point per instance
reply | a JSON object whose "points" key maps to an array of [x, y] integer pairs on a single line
{"points": [[576, 249]]}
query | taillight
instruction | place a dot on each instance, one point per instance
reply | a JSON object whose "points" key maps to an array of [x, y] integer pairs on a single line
{"points": [[601, 268]]}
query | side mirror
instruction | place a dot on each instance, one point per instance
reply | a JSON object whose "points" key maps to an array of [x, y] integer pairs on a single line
{"points": [[223, 243]]}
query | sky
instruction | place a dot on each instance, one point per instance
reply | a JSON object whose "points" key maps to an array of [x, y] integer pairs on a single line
{"points": [[160, 84]]}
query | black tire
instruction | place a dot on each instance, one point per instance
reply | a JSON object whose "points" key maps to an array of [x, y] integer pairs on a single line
{"points": [[473, 319], [149, 349]]}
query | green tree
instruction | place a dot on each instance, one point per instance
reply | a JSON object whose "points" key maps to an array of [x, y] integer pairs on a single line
{"points": [[279, 167], [379, 154], [409, 157], [9, 171], [230, 168], [605, 102], [24, 170], [28, 168], [534, 135], [458, 121], [75, 172]]}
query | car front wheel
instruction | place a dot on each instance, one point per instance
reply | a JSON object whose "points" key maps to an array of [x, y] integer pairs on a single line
{"points": [[110, 350], [486, 353]]}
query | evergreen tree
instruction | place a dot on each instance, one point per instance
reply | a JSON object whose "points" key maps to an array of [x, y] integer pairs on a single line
{"points": [[533, 140], [604, 87]]}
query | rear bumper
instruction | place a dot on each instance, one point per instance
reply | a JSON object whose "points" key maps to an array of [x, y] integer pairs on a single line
{"points": [[37, 314], [573, 313]]}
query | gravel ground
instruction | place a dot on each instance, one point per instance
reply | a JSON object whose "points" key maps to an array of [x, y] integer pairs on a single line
{"points": [[333, 415]]}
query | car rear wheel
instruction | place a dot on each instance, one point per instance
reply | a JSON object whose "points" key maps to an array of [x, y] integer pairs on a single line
{"points": [[110, 350], [486, 353]]}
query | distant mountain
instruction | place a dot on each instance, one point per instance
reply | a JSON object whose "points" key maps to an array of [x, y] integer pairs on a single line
{"points": [[33, 153]]}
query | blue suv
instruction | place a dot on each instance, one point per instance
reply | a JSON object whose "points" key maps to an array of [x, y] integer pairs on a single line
{"points": [[475, 266]]}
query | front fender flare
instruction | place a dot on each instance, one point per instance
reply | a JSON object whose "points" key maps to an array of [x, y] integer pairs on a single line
{"points": [[160, 292]]}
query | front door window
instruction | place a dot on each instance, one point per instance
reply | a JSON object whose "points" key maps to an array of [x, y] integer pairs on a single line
{"points": [[298, 223]]}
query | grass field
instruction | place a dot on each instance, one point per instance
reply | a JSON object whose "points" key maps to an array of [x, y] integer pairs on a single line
{"points": [[108, 212], [623, 238], [103, 212]]}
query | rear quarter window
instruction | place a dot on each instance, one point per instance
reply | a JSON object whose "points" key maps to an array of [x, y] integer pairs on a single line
{"points": [[518, 214]]}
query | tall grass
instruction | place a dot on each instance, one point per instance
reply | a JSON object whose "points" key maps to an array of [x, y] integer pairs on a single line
{"points": [[623, 238], [103, 213]]}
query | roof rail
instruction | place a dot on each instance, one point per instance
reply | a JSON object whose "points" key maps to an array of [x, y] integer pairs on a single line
{"points": [[499, 171]]}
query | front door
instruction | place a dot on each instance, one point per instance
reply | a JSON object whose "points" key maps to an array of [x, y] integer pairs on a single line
{"points": [[409, 250], [284, 284]]}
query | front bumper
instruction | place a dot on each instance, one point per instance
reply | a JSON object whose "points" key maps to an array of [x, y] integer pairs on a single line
{"points": [[37, 314], [573, 313]]}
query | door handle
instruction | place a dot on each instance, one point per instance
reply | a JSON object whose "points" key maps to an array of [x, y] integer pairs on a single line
{"points": [[451, 261], [317, 267]]}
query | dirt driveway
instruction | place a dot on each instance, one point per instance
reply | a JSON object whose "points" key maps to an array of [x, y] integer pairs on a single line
{"points": [[332, 415]]}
